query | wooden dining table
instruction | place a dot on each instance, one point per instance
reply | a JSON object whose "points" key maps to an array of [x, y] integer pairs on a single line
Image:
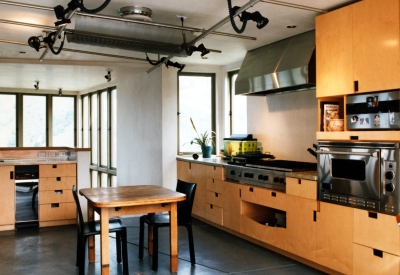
{"points": [[128, 200]]}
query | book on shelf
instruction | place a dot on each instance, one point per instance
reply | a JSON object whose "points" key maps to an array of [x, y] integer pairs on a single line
{"points": [[329, 110]]}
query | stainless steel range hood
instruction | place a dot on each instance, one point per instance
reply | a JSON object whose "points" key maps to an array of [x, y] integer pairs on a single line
{"points": [[283, 66]]}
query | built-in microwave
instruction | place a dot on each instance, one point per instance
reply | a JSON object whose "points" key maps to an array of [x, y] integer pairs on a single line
{"points": [[375, 111], [359, 174]]}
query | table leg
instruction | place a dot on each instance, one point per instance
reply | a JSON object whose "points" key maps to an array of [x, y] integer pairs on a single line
{"points": [[173, 230], [104, 241], [91, 243]]}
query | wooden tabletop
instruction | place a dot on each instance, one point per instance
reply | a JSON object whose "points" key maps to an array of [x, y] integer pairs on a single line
{"points": [[130, 195]]}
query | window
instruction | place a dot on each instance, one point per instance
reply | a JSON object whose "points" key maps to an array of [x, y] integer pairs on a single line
{"points": [[8, 120], [37, 120], [99, 133], [238, 105], [196, 100]]}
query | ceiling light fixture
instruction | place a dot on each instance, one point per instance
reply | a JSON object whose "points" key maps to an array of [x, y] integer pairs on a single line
{"points": [[244, 17], [73, 5], [60, 92], [108, 76], [36, 43], [166, 62], [37, 85]]}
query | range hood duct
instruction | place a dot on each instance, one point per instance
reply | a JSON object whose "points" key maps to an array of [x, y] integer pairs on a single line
{"points": [[283, 66], [128, 36]]}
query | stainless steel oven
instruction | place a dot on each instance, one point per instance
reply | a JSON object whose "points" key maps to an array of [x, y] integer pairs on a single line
{"points": [[359, 174]]}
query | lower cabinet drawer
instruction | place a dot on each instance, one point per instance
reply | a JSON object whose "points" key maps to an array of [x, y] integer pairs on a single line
{"points": [[377, 230], [56, 183], [214, 214], [369, 261], [255, 227], [57, 211], [55, 196], [215, 199], [263, 196]]}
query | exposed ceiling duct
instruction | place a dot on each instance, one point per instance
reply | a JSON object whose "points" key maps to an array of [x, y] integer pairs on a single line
{"points": [[286, 65], [129, 36]]}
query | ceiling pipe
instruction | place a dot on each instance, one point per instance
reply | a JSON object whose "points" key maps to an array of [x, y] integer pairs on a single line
{"points": [[290, 5], [206, 33], [130, 20]]}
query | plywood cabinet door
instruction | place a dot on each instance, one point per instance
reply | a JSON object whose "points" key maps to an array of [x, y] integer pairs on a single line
{"points": [[184, 170], [335, 237], [7, 194], [334, 44], [301, 227], [198, 176], [231, 205], [376, 45]]}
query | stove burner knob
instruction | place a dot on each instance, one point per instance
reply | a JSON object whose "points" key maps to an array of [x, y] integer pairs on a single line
{"points": [[265, 178], [276, 179], [260, 177], [389, 175], [282, 180], [246, 175], [251, 175], [389, 187], [232, 172]]}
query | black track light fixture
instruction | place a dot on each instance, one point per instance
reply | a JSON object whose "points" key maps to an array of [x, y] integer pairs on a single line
{"points": [[244, 17], [108, 76], [73, 5], [60, 92], [36, 85], [167, 63], [36, 43]]}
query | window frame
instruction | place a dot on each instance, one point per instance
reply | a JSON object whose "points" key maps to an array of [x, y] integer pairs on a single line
{"points": [[213, 106], [230, 78], [97, 168]]}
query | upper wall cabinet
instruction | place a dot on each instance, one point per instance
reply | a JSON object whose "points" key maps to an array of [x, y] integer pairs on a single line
{"points": [[358, 48]]}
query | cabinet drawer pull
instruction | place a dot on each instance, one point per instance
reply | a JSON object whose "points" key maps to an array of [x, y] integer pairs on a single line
{"points": [[216, 195], [299, 181], [372, 215], [378, 253], [356, 86], [315, 216], [211, 206], [58, 178], [273, 194], [58, 192], [54, 165], [251, 189], [55, 205], [11, 175]]}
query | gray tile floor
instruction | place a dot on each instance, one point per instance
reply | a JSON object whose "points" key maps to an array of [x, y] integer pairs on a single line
{"points": [[50, 251]]}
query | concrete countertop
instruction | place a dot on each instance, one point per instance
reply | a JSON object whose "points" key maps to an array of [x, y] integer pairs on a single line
{"points": [[219, 161], [36, 162]]}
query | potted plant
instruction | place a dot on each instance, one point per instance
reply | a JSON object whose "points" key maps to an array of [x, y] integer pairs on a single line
{"points": [[204, 140]]}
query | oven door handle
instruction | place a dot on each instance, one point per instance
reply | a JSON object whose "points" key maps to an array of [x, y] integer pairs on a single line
{"points": [[373, 154]]}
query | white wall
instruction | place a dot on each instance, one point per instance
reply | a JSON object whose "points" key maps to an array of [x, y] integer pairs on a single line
{"points": [[286, 124]]}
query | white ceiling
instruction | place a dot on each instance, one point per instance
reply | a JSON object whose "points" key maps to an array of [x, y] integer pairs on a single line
{"points": [[78, 71]]}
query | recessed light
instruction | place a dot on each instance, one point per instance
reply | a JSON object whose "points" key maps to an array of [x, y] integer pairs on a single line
{"points": [[291, 26]]}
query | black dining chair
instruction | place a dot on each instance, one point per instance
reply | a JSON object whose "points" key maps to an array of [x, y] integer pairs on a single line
{"points": [[87, 229], [162, 220]]}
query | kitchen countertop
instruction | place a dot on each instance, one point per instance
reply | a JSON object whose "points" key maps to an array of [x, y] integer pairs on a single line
{"points": [[218, 161]]}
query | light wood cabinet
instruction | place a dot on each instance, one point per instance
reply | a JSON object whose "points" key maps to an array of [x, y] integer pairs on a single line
{"points": [[198, 176], [301, 188], [377, 231], [369, 261], [232, 205], [301, 227], [358, 48], [334, 55], [266, 197], [56, 203], [7, 201], [335, 237]]}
